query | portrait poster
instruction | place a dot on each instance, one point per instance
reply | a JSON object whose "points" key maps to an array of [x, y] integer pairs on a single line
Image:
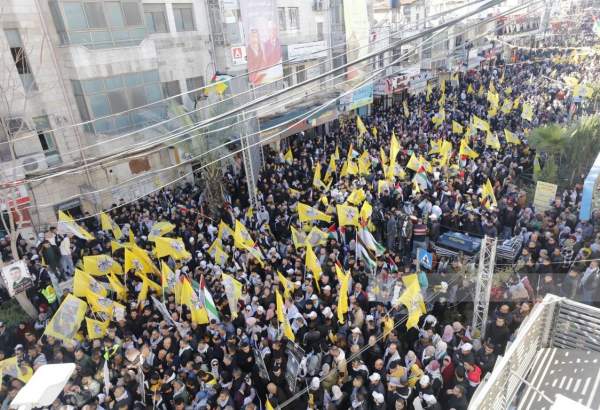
{"points": [[67, 319], [357, 26], [16, 277]]}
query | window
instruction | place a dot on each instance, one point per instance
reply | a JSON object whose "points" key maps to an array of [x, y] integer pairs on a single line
{"points": [[120, 94], [114, 14], [46, 138], [184, 17], [193, 84], [156, 18], [288, 78], [131, 11], [294, 18], [95, 15], [300, 73], [282, 20], [171, 89], [74, 16], [320, 36], [19, 56]]}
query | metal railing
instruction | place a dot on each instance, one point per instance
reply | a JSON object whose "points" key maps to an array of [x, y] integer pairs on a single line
{"points": [[554, 323]]}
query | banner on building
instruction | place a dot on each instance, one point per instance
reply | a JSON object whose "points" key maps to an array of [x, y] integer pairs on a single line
{"points": [[263, 48], [356, 22], [16, 277], [358, 98]]}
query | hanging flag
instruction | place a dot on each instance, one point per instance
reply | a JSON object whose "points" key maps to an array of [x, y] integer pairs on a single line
{"points": [[364, 164], [457, 128], [160, 229], [491, 140], [361, 126], [316, 237], [241, 236], [413, 163], [351, 168], [312, 264], [356, 197], [365, 212], [368, 247], [347, 215], [66, 225], [466, 151], [100, 265], [115, 246], [527, 112], [342, 307], [208, 301], [317, 183], [173, 247], [82, 282], [137, 260], [288, 287], [108, 224], [117, 287], [439, 118], [289, 157], [445, 151], [67, 319], [308, 213], [224, 231], [95, 328], [233, 291], [511, 138], [413, 300]]}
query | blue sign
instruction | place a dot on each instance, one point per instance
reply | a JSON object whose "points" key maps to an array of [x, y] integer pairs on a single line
{"points": [[424, 258]]}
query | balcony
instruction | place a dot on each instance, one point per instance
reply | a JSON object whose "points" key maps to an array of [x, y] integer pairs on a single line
{"points": [[318, 5]]}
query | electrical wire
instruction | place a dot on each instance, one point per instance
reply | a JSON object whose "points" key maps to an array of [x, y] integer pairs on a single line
{"points": [[418, 22], [203, 123], [317, 109]]}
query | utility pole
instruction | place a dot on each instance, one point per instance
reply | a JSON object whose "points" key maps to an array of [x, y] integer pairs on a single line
{"points": [[483, 286]]}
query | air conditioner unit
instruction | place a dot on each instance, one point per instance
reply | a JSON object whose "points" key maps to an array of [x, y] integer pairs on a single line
{"points": [[32, 163]]}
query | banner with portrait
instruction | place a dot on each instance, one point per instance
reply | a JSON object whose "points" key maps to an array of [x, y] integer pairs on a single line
{"points": [[67, 319], [16, 277], [356, 21], [263, 48]]}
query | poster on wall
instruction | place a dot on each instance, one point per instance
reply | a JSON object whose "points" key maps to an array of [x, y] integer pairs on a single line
{"points": [[356, 22], [16, 277], [263, 48]]}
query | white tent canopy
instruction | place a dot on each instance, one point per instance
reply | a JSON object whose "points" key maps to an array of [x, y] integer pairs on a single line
{"points": [[44, 386]]}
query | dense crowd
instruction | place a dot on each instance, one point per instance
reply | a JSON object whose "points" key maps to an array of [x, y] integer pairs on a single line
{"points": [[244, 361]]}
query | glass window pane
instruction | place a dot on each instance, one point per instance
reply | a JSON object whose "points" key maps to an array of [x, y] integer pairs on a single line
{"points": [[119, 36], [95, 15], [133, 79], [99, 105], [281, 18], [118, 101], [188, 20], [104, 125], [101, 37], [151, 76], [79, 37], [114, 14], [132, 14], [137, 33], [42, 122], [153, 93], [93, 86], [160, 21], [122, 121], [82, 107], [114, 82], [149, 17], [137, 96], [178, 19], [74, 16]]}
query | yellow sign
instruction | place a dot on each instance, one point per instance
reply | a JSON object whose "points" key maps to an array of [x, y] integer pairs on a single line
{"points": [[544, 195]]}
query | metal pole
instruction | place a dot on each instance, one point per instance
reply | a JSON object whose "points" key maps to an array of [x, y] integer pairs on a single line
{"points": [[248, 163], [483, 286]]}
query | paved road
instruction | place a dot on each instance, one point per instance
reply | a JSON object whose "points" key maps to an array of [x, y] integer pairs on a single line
{"points": [[572, 373]]}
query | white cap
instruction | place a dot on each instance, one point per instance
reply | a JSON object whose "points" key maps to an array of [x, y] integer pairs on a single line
{"points": [[375, 377], [429, 398], [312, 315], [370, 317], [327, 312], [424, 380], [314, 297], [377, 397], [326, 287], [336, 392], [315, 383], [466, 346]]}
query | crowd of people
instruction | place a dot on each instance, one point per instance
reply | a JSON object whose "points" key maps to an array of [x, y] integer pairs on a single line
{"points": [[246, 360]]}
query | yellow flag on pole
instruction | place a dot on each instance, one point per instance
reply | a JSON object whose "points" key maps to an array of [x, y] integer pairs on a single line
{"points": [[364, 164], [361, 126], [224, 231], [491, 140], [342, 307], [279, 306], [406, 111], [308, 213], [347, 215], [67, 224], [480, 124], [117, 287], [527, 112], [82, 282], [95, 328], [511, 138], [99, 304], [466, 151], [109, 225], [159, 229], [289, 157], [317, 183], [100, 265], [313, 265], [173, 247], [67, 319], [457, 128], [241, 236], [413, 300], [488, 198], [298, 238]]}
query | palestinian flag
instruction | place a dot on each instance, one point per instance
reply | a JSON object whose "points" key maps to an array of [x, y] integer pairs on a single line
{"points": [[392, 265], [332, 232], [367, 248], [207, 300]]}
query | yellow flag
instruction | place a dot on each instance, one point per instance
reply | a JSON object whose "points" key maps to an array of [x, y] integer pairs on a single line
{"points": [[454, 76], [224, 231], [516, 103], [269, 406], [313, 265], [480, 124], [67, 319], [406, 111], [337, 153], [388, 326], [347, 215], [279, 305], [220, 256], [361, 126], [383, 184], [95, 328], [428, 94], [366, 211], [137, 259], [470, 89], [508, 90], [488, 198], [364, 164], [506, 106], [298, 238], [352, 168], [82, 282], [383, 157], [99, 304], [109, 225], [413, 300], [100, 265], [527, 113], [288, 287], [287, 330], [308, 213], [159, 229], [480, 91], [493, 98], [511, 138], [317, 183], [491, 140], [466, 151], [233, 291], [115, 246], [331, 168], [117, 287], [445, 151], [241, 236], [66, 224], [356, 196], [256, 253], [342, 307], [394, 150], [316, 237], [413, 163], [289, 157], [173, 247], [443, 85], [457, 128]]}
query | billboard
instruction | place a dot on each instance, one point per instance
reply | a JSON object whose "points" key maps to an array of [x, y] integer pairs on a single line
{"points": [[357, 26], [263, 49]]}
